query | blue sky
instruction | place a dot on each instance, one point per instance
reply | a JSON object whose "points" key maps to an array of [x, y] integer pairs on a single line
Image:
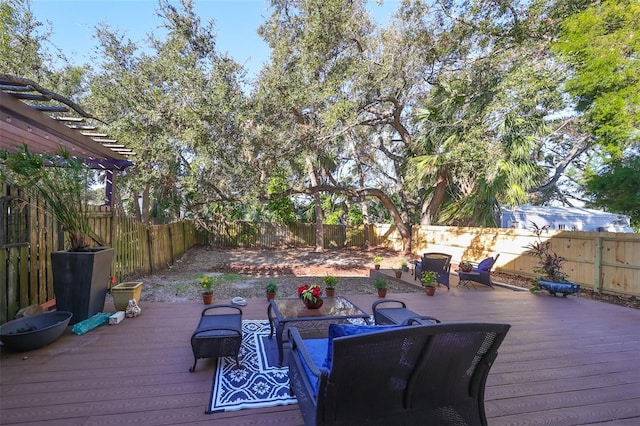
{"points": [[73, 24]]}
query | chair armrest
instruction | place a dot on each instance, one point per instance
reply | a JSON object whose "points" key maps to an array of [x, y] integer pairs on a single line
{"points": [[297, 344]]}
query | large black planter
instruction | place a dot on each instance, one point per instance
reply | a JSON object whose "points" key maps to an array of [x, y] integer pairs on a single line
{"points": [[80, 281]]}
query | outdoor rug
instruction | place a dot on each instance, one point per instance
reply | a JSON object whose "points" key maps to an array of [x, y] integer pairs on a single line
{"points": [[259, 382]]}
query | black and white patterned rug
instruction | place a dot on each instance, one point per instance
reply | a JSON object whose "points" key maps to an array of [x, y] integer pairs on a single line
{"points": [[259, 382]]}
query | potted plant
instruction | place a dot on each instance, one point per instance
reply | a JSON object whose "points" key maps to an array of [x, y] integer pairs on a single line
{"points": [[465, 266], [80, 274], [381, 283], [330, 285], [272, 289], [376, 262], [311, 296], [552, 278], [206, 282], [404, 265], [428, 280], [398, 272]]}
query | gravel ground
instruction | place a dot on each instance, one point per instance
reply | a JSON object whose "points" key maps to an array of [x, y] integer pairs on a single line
{"points": [[246, 272]]}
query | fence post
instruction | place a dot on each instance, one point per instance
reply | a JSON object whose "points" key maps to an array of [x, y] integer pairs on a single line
{"points": [[597, 265]]}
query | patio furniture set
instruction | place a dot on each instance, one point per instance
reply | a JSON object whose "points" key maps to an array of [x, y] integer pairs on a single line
{"points": [[403, 369], [441, 264]]}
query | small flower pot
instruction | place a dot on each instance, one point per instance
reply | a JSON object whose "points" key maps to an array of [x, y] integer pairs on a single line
{"points": [[271, 295], [377, 266], [430, 290], [382, 292], [207, 298], [330, 292], [398, 274], [313, 304]]}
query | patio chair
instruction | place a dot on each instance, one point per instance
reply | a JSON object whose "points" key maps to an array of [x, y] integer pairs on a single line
{"points": [[394, 375], [437, 262], [390, 311], [217, 334], [480, 274]]}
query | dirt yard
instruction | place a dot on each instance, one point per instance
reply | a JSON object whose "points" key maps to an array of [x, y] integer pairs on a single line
{"points": [[246, 272]]}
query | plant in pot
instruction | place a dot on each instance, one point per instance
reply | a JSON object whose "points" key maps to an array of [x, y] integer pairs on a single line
{"points": [[376, 262], [330, 285], [271, 289], [381, 283], [551, 276], [428, 280], [60, 184], [206, 282], [404, 265], [398, 272], [465, 266], [311, 296]]}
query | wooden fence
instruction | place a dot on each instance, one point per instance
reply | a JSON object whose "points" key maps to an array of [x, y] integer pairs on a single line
{"points": [[604, 261], [28, 236], [607, 262]]}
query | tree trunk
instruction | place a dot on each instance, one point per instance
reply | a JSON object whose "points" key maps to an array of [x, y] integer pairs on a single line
{"points": [[318, 209]]}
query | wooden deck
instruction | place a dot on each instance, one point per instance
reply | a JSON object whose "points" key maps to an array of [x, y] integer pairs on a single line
{"points": [[564, 362]]}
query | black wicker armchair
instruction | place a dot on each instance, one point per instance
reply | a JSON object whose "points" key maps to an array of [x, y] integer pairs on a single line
{"points": [[437, 262], [394, 375], [480, 274]]}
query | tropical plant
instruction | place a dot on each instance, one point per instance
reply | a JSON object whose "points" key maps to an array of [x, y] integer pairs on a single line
{"points": [[550, 264], [310, 293], [272, 287], [330, 281], [62, 181], [428, 278], [380, 283]]}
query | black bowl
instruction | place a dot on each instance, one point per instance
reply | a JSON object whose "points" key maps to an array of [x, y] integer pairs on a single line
{"points": [[32, 332]]}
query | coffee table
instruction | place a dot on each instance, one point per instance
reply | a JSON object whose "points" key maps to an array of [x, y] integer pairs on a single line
{"points": [[288, 311]]}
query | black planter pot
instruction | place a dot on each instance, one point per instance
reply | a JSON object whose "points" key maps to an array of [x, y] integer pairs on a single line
{"points": [[80, 281]]}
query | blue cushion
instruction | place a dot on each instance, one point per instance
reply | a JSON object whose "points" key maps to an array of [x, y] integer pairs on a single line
{"points": [[317, 348], [342, 330], [485, 265]]}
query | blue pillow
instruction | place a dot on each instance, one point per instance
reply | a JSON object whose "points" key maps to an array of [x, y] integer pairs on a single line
{"points": [[485, 265], [342, 330]]}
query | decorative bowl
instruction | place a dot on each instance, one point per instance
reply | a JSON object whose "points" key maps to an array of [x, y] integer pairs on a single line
{"points": [[32, 332]]}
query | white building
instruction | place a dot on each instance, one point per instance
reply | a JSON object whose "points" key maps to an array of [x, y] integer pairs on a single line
{"points": [[564, 218]]}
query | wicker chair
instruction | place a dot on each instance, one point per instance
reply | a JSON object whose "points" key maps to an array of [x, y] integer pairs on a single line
{"points": [[437, 262], [395, 375], [480, 274]]}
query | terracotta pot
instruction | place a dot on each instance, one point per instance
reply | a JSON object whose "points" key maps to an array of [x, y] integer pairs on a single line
{"points": [[330, 292], [376, 266], [382, 292], [271, 295], [399, 274], [313, 304], [207, 299], [430, 290]]}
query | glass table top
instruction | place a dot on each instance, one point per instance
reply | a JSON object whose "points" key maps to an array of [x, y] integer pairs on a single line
{"points": [[292, 309]]}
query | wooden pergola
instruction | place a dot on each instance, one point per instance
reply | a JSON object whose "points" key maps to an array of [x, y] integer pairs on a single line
{"points": [[46, 122]]}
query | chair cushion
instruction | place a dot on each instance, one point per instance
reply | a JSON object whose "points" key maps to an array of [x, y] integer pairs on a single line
{"points": [[317, 348], [485, 265], [342, 330]]}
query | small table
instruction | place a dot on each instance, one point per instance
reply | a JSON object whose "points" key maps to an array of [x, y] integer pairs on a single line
{"points": [[283, 312], [465, 283]]}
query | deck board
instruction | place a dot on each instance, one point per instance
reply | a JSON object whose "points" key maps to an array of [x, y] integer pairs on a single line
{"points": [[565, 361]]}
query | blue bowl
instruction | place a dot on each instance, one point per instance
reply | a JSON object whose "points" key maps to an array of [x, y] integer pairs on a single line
{"points": [[32, 332]]}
